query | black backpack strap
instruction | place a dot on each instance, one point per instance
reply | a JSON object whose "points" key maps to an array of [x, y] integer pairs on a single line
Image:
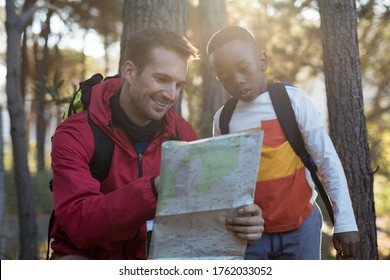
{"points": [[286, 117], [50, 228], [86, 88], [102, 155], [226, 115]]}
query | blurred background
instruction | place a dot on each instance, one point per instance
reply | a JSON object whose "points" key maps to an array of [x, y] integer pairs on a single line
{"points": [[65, 42]]}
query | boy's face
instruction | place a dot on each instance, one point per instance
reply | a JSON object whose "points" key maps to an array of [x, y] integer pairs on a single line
{"points": [[239, 68]]}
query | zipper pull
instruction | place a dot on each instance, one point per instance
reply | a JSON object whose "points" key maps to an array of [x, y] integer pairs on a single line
{"points": [[140, 172]]}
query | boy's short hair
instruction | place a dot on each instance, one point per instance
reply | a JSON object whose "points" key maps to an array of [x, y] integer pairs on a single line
{"points": [[226, 35], [139, 47]]}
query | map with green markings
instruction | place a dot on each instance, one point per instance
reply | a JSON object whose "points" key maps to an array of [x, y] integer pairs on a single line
{"points": [[201, 183]]}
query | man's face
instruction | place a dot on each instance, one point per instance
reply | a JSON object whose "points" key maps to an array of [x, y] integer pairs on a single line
{"points": [[239, 68], [153, 91]]}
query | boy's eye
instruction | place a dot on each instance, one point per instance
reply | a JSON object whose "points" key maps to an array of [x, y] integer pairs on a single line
{"points": [[223, 79], [245, 68]]}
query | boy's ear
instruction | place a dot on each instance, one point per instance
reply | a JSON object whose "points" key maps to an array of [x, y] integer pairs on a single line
{"points": [[263, 59], [129, 72]]}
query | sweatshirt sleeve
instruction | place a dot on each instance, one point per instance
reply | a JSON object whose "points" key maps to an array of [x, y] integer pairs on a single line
{"points": [[216, 130], [320, 147]]}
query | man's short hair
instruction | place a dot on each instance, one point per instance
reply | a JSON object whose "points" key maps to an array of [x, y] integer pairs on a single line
{"points": [[226, 35], [139, 47]]}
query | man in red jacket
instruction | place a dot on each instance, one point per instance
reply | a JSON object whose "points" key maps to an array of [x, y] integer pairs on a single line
{"points": [[107, 220]]}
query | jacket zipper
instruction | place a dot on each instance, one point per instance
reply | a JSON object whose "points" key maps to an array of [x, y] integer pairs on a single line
{"points": [[140, 165]]}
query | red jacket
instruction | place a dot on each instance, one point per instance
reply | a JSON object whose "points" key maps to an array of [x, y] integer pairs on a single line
{"points": [[96, 220]]}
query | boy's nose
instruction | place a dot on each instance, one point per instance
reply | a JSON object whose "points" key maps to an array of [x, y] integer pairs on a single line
{"points": [[238, 79]]}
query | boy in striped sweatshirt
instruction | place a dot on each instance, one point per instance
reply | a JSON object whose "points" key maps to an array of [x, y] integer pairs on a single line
{"points": [[284, 189]]}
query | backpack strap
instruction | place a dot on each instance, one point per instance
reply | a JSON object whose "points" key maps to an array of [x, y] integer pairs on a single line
{"points": [[286, 117], [226, 115], [102, 155], [50, 228]]}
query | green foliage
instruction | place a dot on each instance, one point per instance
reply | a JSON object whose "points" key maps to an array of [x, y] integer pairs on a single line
{"points": [[50, 92], [380, 159], [40, 182], [380, 148], [287, 30], [42, 195], [382, 195]]}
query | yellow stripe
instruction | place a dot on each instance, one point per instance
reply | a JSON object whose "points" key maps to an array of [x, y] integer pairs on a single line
{"points": [[278, 162]]}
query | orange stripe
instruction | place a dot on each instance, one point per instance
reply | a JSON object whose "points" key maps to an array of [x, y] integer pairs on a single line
{"points": [[285, 202], [273, 133]]}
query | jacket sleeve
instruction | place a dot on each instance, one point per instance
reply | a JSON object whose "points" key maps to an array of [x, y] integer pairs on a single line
{"points": [[320, 147], [88, 216]]}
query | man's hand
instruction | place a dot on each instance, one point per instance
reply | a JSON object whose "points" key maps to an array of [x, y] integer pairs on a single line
{"points": [[346, 244], [248, 223], [157, 183]]}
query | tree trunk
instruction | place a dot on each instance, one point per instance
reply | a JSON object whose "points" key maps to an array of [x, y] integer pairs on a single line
{"points": [[212, 16], [346, 113], [26, 210], [141, 14], [3, 201], [42, 77]]}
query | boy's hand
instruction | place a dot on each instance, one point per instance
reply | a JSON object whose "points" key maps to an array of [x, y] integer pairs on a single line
{"points": [[248, 223], [346, 244]]}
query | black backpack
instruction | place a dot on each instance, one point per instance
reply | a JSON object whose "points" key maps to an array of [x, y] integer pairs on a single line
{"points": [[285, 114], [104, 147]]}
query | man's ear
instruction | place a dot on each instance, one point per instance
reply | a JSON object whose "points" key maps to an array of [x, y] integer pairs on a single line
{"points": [[129, 72], [263, 59]]}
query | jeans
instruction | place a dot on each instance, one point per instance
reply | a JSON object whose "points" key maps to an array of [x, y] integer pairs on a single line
{"points": [[303, 243]]}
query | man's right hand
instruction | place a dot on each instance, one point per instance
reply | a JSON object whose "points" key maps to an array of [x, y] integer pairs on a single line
{"points": [[157, 183]]}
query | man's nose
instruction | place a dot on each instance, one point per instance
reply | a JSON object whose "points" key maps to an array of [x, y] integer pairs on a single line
{"points": [[171, 92]]}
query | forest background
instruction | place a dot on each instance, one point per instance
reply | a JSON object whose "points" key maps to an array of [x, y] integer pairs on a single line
{"points": [[65, 42]]}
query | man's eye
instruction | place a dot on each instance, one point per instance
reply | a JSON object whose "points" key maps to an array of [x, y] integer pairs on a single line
{"points": [[161, 79], [180, 86]]}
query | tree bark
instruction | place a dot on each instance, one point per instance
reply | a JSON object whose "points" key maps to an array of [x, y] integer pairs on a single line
{"points": [[3, 201], [346, 113], [26, 210], [212, 16], [42, 67], [142, 14]]}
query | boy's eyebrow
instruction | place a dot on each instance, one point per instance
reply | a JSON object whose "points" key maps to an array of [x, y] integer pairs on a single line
{"points": [[235, 64], [240, 62]]}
